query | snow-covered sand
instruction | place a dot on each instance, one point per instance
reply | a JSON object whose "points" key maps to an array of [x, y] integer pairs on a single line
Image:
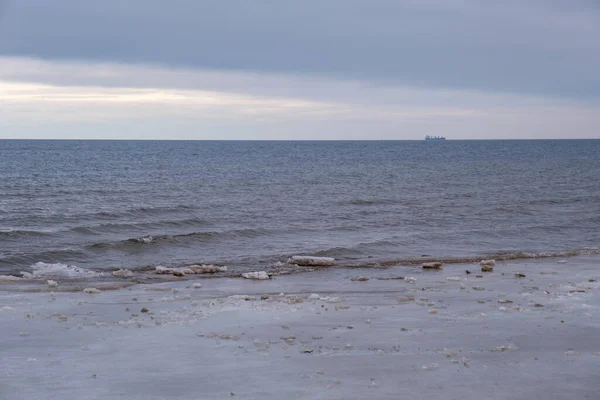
{"points": [[497, 336]]}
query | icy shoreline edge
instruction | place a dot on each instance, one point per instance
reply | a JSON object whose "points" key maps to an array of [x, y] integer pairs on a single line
{"points": [[525, 327]]}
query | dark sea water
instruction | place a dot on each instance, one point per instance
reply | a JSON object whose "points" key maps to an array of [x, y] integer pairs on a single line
{"points": [[126, 204]]}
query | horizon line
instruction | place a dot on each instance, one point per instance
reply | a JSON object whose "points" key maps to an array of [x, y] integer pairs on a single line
{"points": [[284, 140]]}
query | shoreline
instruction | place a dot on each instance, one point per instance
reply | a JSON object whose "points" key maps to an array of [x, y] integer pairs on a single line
{"points": [[313, 336], [73, 275]]}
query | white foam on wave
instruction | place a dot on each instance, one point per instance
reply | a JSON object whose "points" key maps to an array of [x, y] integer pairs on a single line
{"points": [[145, 239], [41, 269]]}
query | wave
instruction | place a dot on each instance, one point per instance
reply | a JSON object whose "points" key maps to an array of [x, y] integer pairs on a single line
{"points": [[141, 211], [118, 227], [586, 251], [42, 217], [346, 258], [46, 270], [196, 237], [348, 255], [368, 202], [18, 233], [337, 252], [496, 256], [51, 256], [562, 201]]}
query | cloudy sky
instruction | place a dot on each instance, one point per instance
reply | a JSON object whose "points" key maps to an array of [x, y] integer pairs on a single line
{"points": [[302, 69]]}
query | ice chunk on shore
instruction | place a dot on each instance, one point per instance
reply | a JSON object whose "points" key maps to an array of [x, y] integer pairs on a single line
{"points": [[244, 297], [260, 275], [330, 299], [91, 291], [163, 270], [207, 269], [51, 283], [431, 367], [432, 265], [174, 271], [311, 261], [410, 279], [122, 273], [190, 270]]}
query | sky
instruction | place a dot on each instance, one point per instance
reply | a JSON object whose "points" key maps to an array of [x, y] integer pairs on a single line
{"points": [[299, 70]]}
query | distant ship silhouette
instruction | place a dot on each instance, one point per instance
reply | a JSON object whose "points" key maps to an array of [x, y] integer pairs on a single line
{"points": [[434, 137]]}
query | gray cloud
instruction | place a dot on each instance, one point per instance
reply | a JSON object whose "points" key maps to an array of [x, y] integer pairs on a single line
{"points": [[535, 47], [50, 99]]}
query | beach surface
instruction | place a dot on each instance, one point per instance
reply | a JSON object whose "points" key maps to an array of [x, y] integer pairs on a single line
{"points": [[530, 329]]}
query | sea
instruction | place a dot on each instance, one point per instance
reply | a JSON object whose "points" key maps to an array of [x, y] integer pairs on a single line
{"points": [[83, 208]]}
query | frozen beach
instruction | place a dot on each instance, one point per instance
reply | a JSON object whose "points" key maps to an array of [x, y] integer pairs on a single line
{"points": [[530, 329]]}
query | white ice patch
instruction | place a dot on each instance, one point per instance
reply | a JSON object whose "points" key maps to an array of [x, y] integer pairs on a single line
{"points": [[310, 261], [207, 269], [260, 275], [431, 367], [122, 273], [42, 269], [173, 271], [330, 299], [243, 297]]}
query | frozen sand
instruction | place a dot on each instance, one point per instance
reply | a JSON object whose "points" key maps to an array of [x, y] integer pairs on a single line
{"points": [[215, 342]]}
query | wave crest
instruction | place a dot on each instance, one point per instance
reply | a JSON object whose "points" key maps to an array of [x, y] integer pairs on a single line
{"points": [[43, 270], [196, 237], [118, 227], [17, 233]]}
